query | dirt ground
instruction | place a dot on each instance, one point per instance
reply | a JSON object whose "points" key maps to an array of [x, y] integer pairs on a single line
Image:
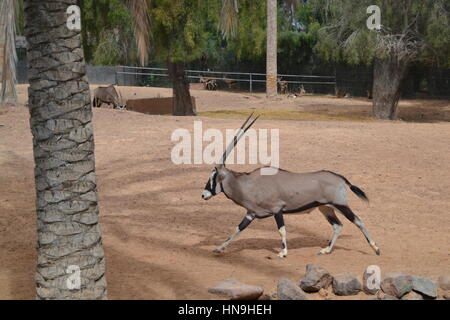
{"points": [[158, 233]]}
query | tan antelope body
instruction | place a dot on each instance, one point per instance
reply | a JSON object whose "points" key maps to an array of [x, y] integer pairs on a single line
{"points": [[284, 192], [109, 96]]}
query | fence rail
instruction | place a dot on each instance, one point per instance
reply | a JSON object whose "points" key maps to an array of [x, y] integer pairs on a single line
{"points": [[245, 77]]}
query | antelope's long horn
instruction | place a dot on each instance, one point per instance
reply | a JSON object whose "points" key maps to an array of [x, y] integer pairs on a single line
{"points": [[237, 137]]}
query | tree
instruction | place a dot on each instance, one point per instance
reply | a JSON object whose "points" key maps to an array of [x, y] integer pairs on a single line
{"points": [[107, 33], [411, 31], [71, 263], [229, 25], [175, 30], [271, 68], [8, 55]]}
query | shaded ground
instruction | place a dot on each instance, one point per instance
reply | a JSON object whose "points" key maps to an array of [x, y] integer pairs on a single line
{"points": [[158, 233]]}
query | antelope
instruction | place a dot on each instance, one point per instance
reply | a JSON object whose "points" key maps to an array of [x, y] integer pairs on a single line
{"points": [[302, 90], [283, 193], [231, 83], [210, 84], [283, 85], [109, 96]]}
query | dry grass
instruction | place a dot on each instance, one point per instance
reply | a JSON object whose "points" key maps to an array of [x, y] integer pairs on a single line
{"points": [[271, 114]]}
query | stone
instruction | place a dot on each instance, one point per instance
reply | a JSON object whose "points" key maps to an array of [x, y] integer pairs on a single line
{"points": [[412, 296], [397, 284], [315, 278], [265, 297], [368, 282], [388, 297], [425, 286], [444, 282], [380, 295], [235, 290], [346, 285], [323, 293], [288, 290]]}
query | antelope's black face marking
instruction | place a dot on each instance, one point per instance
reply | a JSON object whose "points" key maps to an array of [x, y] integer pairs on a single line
{"points": [[212, 188]]}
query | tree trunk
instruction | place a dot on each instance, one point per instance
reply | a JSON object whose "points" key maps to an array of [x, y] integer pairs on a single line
{"points": [[71, 263], [8, 56], [271, 67], [389, 74], [182, 101]]}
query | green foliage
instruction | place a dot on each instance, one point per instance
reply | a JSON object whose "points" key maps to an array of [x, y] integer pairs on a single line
{"points": [[178, 29], [250, 42], [107, 32], [344, 36]]}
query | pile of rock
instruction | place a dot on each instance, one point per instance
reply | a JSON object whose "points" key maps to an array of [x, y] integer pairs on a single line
{"points": [[317, 280]]}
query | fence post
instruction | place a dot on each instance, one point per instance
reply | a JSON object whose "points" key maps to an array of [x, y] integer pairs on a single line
{"points": [[251, 84]]}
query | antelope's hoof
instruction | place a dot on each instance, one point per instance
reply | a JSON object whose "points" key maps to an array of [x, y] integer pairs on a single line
{"points": [[218, 250], [324, 251], [378, 252], [282, 255]]}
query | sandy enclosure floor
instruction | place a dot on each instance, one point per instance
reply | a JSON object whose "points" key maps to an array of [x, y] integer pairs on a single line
{"points": [[158, 233]]}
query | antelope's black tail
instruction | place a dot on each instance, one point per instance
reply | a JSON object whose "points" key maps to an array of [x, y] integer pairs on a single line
{"points": [[361, 194]]}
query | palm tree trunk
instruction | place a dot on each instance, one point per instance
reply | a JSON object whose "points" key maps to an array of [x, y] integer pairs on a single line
{"points": [[71, 263], [8, 55], [271, 68]]}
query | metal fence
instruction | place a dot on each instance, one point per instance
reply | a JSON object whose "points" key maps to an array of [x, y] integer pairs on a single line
{"points": [[146, 76]]}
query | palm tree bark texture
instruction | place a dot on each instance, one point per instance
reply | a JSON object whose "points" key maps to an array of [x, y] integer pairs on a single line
{"points": [[271, 67], [70, 263]]}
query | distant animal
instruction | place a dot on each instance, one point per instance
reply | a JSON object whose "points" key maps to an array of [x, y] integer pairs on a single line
{"points": [[302, 90], [283, 193], [109, 96], [230, 82], [210, 84], [283, 85], [343, 94]]}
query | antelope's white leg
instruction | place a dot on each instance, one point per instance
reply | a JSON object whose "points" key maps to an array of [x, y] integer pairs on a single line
{"points": [[348, 213], [282, 230], [337, 227], [244, 224]]}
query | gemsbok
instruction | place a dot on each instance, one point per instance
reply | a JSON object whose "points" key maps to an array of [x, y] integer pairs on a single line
{"points": [[109, 96], [283, 193]]}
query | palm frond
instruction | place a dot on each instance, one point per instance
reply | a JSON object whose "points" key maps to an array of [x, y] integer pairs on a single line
{"points": [[142, 27], [229, 18], [8, 16]]}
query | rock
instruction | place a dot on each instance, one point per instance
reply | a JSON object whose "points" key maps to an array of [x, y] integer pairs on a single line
{"points": [[323, 293], [446, 296], [375, 287], [288, 290], [346, 285], [380, 295], [235, 290], [265, 297], [388, 297], [444, 282], [425, 286], [397, 284], [412, 296], [315, 278]]}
